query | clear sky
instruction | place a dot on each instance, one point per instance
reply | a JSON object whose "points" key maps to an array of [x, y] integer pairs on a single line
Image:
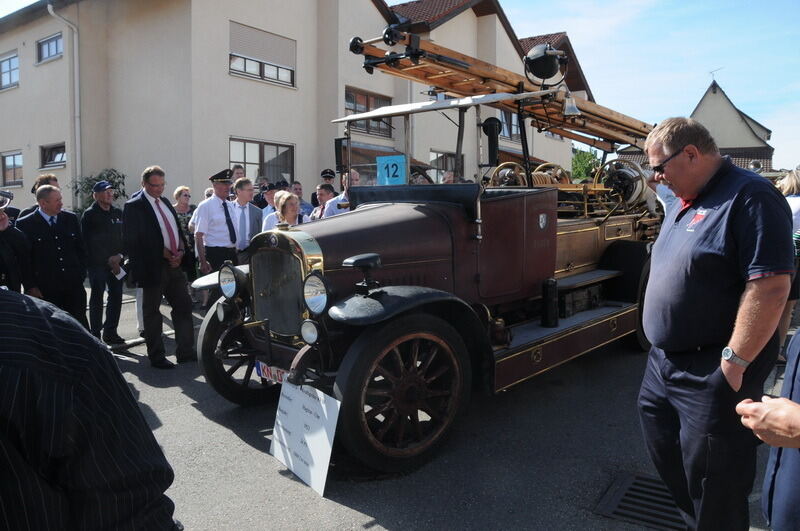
{"points": [[651, 59]]}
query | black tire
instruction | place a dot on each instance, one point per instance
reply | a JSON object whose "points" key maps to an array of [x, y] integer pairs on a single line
{"points": [[638, 340], [234, 377], [392, 418]]}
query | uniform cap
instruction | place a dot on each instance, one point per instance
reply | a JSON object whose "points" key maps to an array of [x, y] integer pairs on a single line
{"points": [[222, 177]]}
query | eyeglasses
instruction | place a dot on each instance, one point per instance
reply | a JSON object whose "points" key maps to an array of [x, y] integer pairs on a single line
{"points": [[187, 195], [659, 168]]}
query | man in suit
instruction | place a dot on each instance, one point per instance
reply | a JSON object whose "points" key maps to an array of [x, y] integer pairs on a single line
{"points": [[247, 217], [154, 242], [15, 253], [58, 255]]}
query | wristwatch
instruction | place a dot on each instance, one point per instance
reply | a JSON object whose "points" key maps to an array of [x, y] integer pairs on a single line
{"points": [[729, 355]]}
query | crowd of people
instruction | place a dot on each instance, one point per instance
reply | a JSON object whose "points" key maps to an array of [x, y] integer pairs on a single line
{"points": [[726, 243], [158, 246]]}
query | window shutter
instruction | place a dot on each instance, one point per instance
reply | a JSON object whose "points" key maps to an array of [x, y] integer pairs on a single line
{"points": [[263, 46]]}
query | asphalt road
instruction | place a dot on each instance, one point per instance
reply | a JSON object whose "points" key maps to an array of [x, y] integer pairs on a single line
{"points": [[538, 456]]}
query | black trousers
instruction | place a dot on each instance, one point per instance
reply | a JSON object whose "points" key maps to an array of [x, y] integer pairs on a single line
{"points": [[172, 286], [216, 256], [71, 299], [701, 450]]}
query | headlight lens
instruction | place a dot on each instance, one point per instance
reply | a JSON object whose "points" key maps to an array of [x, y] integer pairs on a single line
{"points": [[315, 294], [309, 331], [227, 282]]}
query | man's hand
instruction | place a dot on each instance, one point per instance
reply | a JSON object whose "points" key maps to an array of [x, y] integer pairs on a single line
{"points": [[113, 263], [205, 267], [776, 421], [173, 259], [733, 374]]}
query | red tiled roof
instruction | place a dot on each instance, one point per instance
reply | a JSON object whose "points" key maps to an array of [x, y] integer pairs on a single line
{"points": [[427, 11], [551, 38]]}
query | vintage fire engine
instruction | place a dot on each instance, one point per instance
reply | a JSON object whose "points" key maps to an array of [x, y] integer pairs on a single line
{"points": [[422, 294]]}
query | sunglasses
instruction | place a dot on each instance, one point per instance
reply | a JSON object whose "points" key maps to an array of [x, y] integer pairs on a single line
{"points": [[659, 168]]}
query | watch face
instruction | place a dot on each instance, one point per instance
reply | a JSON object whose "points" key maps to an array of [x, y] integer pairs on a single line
{"points": [[727, 353]]}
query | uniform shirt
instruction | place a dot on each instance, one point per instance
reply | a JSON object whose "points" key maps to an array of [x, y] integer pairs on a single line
{"points": [[334, 206], [211, 222], [170, 219], [75, 450], [102, 233], [306, 208], [267, 210], [739, 228]]}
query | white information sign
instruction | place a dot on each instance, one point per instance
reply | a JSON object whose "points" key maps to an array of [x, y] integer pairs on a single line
{"points": [[302, 439]]}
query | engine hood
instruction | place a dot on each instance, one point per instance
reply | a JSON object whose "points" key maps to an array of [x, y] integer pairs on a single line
{"points": [[415, 242]]}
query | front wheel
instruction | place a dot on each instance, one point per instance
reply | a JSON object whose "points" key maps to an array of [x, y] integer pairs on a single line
{"points": [[402, 385], [229, 369]]}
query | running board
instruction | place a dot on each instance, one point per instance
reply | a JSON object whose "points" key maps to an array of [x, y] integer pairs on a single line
{"points": [[535, 349]]}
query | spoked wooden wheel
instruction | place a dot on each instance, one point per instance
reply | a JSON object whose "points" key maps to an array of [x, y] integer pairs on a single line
{"points": [[228, 366], [402, 386]]}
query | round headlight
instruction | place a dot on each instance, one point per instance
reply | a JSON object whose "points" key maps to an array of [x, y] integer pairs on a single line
{"points": [[315, 294], [227, 282], [309, 331]]}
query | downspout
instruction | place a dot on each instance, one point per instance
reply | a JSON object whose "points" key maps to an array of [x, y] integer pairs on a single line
{"points": [[76, 96]]}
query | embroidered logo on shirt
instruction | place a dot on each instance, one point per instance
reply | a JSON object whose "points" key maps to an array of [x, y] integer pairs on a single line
{"points": [[698, 217]]}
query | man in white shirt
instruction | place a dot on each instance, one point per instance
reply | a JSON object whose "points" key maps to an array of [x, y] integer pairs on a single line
{"points": [[268, 191], [215, 233], [247, 217], [341, 203], [324, 193]]}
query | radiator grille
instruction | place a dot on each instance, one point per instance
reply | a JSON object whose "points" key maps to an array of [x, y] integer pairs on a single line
{"points": [[277, 278]]}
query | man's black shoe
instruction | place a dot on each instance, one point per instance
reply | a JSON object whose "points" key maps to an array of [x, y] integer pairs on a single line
{"points": [[162, 364], [113, 339]]}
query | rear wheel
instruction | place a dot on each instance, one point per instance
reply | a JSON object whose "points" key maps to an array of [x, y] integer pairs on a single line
{"points": [[402, 385], [229, 368]]}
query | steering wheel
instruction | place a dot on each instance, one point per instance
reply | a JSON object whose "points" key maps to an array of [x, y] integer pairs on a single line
{"points": [[517, 175]]}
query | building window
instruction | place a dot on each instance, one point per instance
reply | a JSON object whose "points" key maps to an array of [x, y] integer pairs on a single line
{"points": [[263, 160], [9, 71], [262, 55], [53, 156], [443, 162], [357, 101], [50, 47], [261, 70], [510, 122], [12, 168]]}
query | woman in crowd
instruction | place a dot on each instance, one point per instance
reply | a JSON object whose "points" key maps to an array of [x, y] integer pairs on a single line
{"points": [[185, 209], [287, 210], [790, 187]]}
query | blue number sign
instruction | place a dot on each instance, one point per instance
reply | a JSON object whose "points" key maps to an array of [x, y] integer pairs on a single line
{"points": [[391, 170]]}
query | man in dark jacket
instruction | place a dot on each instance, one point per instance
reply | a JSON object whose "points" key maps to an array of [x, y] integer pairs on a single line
{"points": [[58, 256], [153, 241], [15, 252], [101, 225]]}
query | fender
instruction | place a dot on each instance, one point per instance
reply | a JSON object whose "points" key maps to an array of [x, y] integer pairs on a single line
{"points": [[211, 280], [386, 302]]}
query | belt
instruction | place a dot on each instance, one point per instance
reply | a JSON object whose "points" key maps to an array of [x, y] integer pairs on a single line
{"points": [[694, 350]]}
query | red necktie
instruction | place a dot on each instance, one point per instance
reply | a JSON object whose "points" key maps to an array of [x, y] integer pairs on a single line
{"points": [[173, 244]]}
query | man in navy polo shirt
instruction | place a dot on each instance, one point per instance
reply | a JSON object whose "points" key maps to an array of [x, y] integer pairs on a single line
{"points": [[719, 278]]}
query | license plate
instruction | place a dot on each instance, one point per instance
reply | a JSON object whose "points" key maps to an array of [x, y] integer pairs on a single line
{"points": [[274, 374]]}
